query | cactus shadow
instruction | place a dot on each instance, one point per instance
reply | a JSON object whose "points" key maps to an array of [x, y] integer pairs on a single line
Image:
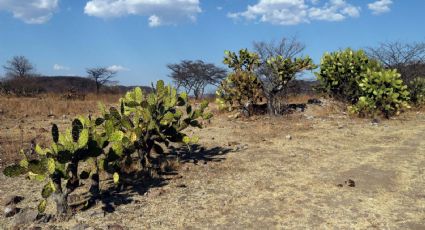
{"points": [[124, 194], [114, 196], [197, 153]]}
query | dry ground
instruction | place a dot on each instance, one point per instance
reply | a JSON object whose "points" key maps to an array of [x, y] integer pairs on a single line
{"points": [[266, 181]]}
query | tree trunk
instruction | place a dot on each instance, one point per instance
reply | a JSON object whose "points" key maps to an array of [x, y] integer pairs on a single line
{"points": [[270, 104], [97, 87]]}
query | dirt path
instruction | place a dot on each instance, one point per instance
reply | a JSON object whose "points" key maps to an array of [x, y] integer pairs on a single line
{"points": [[274, 182]]}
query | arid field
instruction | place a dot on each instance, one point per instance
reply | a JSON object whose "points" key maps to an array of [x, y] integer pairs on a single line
{"points": [[317, 169]]}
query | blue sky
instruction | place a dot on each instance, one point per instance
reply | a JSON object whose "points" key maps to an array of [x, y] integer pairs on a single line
{"points": [[140, 37]]}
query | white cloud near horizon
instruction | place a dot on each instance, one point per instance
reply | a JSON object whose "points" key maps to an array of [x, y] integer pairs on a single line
{"points": [[380, 6], [30, 11], [58, 67], [293, 12], [117, 68], [159, 12]]}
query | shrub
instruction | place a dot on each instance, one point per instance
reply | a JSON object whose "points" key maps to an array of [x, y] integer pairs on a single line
{"points": [[340, 73], [381, 91], [417, 91], [242, 85]]}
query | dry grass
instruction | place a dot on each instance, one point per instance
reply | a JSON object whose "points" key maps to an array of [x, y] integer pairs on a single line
{"points": [[276, 183], [51, 104]]}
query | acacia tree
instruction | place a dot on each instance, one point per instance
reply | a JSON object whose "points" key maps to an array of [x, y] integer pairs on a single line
{"points": [[280, 64], [101, 76], [19, 67], [195, 76], [407, 58]]}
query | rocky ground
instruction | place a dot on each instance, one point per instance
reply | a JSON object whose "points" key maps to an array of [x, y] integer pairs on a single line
{"points": [[318, 169]]}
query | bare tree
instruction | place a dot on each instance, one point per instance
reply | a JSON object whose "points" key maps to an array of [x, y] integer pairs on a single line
{"points": [[407, 58], [286, 47], [101, 76], [194, 76], [19, 67]]}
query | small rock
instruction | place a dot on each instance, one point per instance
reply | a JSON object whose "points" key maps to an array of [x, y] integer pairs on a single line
{"points": [[374, 121], [115, 227], [314, 101], [288, 137], [309, 117], [13, 200], [234, 116], [350, 183], [10, 211], [25, 217], [231, 143]]}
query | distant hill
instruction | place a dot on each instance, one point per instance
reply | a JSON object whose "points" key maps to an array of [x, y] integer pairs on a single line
{"points": [[63, 84]]}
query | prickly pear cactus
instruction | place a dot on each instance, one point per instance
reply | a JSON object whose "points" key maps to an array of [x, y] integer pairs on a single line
{"points": [[242, 85], [142, 124]]}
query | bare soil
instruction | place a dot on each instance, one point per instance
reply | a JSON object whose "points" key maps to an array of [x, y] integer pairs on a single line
{"points": [[311, 170]]}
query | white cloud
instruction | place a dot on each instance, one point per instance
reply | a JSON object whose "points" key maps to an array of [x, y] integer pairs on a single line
{"points": [[58, 67], [159, 12], [117, 68], [292, 12], [380, 6], [154, 21], [30, 11]]}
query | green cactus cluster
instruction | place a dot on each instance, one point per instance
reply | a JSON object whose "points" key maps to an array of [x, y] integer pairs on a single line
{"points": [[141, 126], [382, 91], [351, 76], [341, 71], [242, 85]]}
